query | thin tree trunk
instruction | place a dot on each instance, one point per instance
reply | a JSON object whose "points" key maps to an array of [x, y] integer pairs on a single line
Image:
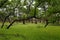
{"points": [[32, 20], [23, 21], [9, 20], [5, 20], [35, 21], [54, 22], [46, 23], [35, 13], [40, 20], [29, 20], [11, 24], [1, 19]]}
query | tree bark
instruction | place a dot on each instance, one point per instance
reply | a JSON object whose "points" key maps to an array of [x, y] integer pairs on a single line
{"points": [[9, 20], [1, 19], [46, 23], [35, 21], [11, 24], [23, 21], [5, 20]]}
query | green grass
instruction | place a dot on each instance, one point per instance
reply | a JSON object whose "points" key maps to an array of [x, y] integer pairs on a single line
{"points": [[30, 32]]}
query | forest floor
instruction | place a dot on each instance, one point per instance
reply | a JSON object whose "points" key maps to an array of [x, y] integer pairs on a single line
{"points": [[29, 31]]}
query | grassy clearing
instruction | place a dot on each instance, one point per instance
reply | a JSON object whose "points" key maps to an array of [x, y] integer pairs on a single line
{"points": [[30, 32]]}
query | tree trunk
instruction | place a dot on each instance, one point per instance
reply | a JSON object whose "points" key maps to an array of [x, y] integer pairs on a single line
{"points": [[3, 23], [32, 20], [1, 19], [23, 21], [5, 20], [46, 23], [10, 24], [9, 20], [40, 20], [29, 20], [35, 21]]}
